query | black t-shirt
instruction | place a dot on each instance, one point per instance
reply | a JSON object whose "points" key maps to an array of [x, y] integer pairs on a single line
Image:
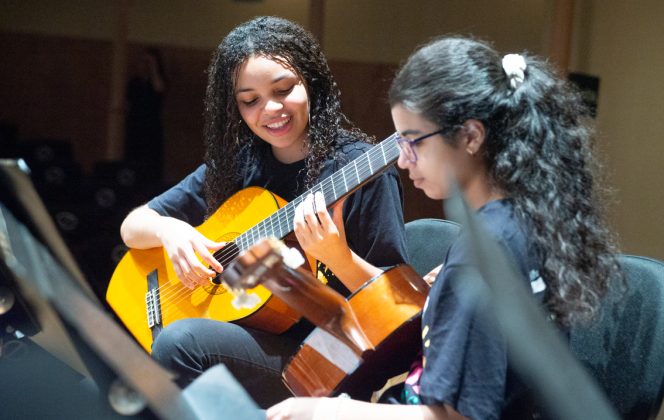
{"points": [[373, 215], [465, 360]]}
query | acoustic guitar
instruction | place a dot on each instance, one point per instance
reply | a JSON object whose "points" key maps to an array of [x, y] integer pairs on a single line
{"points": [[358, 342], [147, 295]]}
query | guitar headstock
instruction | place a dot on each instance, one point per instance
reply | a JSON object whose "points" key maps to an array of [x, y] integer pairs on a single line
{"points": [[263, 259]]}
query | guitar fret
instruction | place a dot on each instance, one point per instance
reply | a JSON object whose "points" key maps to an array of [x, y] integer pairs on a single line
{"points": [[289, 211], [283, 229], [327, 193], [334, 192], [340, 187], [279, 234], [331, 193], [278, 215]]}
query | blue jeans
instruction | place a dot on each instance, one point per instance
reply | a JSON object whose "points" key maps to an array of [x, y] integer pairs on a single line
{"points": [[189, 346]]}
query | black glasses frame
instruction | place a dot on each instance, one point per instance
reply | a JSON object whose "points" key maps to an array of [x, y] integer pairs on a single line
{"points": [[407, 145]]}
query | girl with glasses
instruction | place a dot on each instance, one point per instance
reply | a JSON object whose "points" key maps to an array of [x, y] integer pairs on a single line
{"points": [[515, 139]]}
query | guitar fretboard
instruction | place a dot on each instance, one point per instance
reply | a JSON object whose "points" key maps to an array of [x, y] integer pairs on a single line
{"points": [[333, 188]]}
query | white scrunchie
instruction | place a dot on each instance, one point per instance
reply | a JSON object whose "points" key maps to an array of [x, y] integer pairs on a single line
{"points": [[515, 67]]}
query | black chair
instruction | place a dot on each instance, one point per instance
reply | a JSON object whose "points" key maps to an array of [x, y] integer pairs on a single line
{"points": [[427, 242], [624, 348]]}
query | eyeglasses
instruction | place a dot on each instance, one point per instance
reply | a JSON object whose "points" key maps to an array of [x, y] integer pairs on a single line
{"points": [[406, 145]]}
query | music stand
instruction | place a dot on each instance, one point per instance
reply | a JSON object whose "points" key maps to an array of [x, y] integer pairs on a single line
{"points": [[36, 265]]}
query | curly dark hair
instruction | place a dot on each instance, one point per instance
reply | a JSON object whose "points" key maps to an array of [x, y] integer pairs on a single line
{"points": [[294, 47], [537, 151]]}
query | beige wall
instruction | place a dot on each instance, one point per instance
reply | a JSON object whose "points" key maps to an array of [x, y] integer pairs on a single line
{"points": [[387, 31], [197, 24], [618, 41], [85, 19], [366, 30], [623, 44]]}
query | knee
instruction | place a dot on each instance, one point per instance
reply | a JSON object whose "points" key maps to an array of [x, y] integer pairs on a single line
{"points": [[173, 340]]}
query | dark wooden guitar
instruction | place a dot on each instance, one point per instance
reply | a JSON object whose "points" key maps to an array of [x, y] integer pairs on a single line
{"points": [[359, 342]]}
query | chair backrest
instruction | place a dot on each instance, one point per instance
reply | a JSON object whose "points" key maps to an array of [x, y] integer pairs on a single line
{"points": [[624, 348], [427, 241]]}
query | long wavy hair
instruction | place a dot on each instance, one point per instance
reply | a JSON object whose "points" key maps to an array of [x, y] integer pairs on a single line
{"points": [[538, 152], [225, 134]]}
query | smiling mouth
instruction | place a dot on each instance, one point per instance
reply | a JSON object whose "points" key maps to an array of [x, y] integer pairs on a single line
{"points": [[279, 124]]}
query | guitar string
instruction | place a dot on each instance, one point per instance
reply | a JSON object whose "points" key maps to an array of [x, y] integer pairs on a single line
{"points": [[222, 255], [327, 187], [324, 185], [182, 293], [226, 256]]}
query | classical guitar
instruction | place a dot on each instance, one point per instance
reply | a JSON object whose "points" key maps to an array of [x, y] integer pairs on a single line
{"points": [[146, 294], [359, 342]]}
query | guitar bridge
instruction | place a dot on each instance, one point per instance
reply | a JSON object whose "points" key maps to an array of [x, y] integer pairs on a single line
{"points": [[153, 308], [153, 304]]}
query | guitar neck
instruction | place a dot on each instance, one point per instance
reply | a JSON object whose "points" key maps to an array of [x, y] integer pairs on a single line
{"points": [[343, 182]]}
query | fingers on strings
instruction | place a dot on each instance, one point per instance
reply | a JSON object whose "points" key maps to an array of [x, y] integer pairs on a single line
{"points": [[311, 215]]}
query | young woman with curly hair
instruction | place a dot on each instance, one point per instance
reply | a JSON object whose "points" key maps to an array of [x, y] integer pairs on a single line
{"points": [[516, 140], [272, 119]]}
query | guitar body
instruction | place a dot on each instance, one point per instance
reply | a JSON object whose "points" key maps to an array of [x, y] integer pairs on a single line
{"points": [[141, 270], [388, 309]]}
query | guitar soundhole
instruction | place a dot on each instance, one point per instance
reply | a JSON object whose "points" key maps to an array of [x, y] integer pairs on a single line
{"points": [[217, 280], [225, 257], [215, 289]]}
